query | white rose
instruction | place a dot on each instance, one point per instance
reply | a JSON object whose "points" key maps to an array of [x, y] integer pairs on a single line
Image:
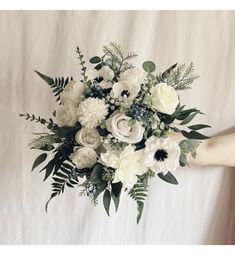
{"points": [[164, 98], [117, 124], [84, 157], [135, 75], [72, 93], [127, 164], [66, 115], [88, 137], [125, 89]]}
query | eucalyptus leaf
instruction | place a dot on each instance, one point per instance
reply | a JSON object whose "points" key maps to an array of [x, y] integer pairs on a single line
{"points": [[194, 135], [100, 188], [169, 178], [95, 59], [149, 66], [184, 114], [189, 118], [189, 145], [199, 126], [106, 200], [40, 159]]}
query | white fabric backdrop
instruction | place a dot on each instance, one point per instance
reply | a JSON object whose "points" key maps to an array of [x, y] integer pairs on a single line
{"points": [[199, 211]]}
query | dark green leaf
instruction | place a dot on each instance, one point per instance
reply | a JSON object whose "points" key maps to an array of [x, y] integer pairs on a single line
{"points": [[198, 126], [49, 169], [48, 80], [116, 188], [106, 200], [40, 159], [184, 114], [149, 66], [194, 135], [189, 118], [100, 188], [168, 71], [96, 175], [95, 59], [168, 178], [116, 200]]}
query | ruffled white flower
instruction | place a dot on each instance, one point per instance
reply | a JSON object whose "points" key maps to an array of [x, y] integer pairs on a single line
{"points": [[66, 115], [164, 98], [72, 93], [104, 76], [127, 164], [134, 75], [91, 112], [161, 154], [117, 124], [84, 157], [126, 90], [88, 137]]}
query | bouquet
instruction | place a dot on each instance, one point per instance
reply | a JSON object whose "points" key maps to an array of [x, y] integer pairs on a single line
{"points": [[112, 130]]}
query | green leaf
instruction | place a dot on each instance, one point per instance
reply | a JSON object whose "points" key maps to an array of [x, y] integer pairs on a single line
{"points": [[169, 178], [95, 59], [100, 188], [49, 169], [116, 188], [193, 135], [140, 208], [40, 159], [199, 126], [116, 200], [96, 175], [184, 114], [189, 145], [149, 66], [168, 71], [48, 80], [106, 200], [183, 159], [189, 118]]}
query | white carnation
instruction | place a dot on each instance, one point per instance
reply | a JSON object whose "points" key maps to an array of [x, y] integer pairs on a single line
{"points": [[164, 98], [88, 137], [161, 154], [91, 112], [66, 115], [134, 75], [84, 157], [126, 90], [118, 125], [72, 93], [127, 164]]}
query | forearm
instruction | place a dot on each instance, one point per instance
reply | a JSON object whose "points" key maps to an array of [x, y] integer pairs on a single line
{"points": [[219, 150]]}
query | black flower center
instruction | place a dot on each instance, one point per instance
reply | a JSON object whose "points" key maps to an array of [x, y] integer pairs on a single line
{"points": [[99, 79], [160, 155], [125, 92]]}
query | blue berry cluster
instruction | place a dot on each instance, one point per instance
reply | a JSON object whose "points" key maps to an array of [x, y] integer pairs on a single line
{"points": [[138, 112], [95, 91]]}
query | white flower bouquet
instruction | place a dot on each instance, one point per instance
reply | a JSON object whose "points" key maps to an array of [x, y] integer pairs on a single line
{"points": [[112, 128]]}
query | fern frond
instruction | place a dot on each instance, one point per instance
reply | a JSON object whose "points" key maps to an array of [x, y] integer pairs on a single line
{"points": [[138, 193], [57, 85]]}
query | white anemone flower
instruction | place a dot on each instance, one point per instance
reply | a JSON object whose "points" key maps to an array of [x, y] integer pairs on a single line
{"points": [[126, 90], [161, 154]]}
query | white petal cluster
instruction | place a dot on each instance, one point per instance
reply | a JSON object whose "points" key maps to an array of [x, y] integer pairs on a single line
{"points": [[135, 75], [161, 154], [88, 137], [84, 157], [127, 164], [164, 98], [91, 112], [118, 125], [66, 115]]}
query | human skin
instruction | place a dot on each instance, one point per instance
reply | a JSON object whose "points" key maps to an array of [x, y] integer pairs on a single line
{"points": [[217, 150]]}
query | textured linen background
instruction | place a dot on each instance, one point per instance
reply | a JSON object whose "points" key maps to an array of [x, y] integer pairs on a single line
{"points": [[200, 210]]}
